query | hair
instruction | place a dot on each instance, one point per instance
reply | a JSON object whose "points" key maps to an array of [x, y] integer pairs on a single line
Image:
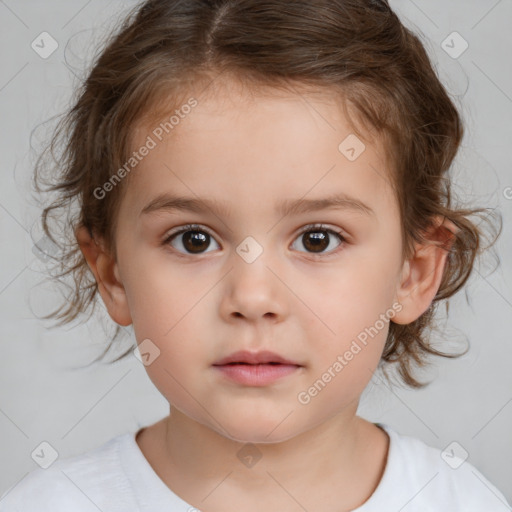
{"points": [[356, 49]]}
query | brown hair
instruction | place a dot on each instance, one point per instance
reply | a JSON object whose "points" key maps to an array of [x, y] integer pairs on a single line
{"points": [[356, 48]]}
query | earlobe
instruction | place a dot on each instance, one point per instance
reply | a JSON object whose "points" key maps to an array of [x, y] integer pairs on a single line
{"points": [[106, 272], [422, 273]]}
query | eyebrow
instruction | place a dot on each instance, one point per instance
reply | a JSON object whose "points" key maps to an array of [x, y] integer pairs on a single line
{"points": [[340, 201]]}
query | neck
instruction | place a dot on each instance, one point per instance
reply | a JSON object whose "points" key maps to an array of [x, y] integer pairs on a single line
{"points": [[200, 464], [204, 453]]}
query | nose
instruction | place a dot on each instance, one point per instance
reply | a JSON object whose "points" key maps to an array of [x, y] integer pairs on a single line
{"points": [[254, 291]]}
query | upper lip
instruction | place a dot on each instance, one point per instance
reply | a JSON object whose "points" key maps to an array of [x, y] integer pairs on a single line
{"points": [[261, 357]]}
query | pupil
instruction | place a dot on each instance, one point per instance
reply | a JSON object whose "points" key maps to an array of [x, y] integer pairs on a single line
{"points": [[317, 241], [193, 241]]}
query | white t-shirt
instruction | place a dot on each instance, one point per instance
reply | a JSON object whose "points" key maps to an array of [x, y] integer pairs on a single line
{"points": [[116, 477]]}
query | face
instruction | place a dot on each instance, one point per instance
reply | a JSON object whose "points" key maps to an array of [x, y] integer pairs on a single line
{"points": [[314, 283]]}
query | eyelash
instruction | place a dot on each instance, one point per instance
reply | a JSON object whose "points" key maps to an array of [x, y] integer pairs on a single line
{"points": [[306, 229]]}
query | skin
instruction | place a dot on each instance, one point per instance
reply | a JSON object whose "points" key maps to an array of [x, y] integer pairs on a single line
{"points": [[250, 152]]}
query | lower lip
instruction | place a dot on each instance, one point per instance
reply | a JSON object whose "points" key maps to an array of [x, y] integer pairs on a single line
{"points": [[256, 374]]}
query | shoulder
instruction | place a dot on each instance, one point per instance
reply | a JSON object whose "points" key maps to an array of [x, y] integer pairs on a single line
{"points": [[442, 479], [75, 483]]}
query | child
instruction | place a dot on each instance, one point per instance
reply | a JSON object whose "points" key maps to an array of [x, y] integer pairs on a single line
{"points": [[305, 145]]}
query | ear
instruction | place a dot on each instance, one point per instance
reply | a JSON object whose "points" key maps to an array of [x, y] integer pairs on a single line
{"points": [[106, 271], [423, 272]]}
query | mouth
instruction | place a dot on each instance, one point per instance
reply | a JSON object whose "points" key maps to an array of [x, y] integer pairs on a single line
{"points": [[256, 369]]}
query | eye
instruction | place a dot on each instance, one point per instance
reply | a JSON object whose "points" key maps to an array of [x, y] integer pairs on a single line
{"points": [[316, 238], [195, 239]]}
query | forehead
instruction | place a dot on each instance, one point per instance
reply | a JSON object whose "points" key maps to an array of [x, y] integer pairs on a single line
{"points": [[278, 141]]}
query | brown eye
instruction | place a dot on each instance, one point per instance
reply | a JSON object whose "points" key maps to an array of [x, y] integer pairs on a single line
{"points": [[317, 239], [190, 240], [195, 241]]}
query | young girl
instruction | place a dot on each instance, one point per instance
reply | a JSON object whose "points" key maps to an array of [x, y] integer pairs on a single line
{"points": [[262, 193]]}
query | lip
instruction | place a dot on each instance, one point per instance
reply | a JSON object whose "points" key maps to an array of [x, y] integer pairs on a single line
{"points": [[255, 368], [261, 357]]}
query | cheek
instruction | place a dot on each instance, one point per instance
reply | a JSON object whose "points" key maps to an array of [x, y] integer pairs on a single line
{"points": [[355, 296], [163, 295], [355, 325], [353, 306], [169, 307], [170, 321]]}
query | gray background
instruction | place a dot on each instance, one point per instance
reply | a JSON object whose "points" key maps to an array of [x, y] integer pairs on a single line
{"points": [[42, 396]]}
